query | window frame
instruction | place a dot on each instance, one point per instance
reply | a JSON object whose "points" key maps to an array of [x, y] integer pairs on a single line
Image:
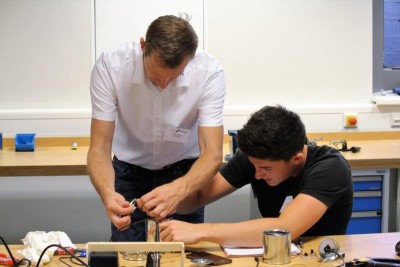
{"points": [[383, 78]]}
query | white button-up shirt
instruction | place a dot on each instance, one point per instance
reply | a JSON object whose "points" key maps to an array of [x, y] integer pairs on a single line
{"points": [[121, 92]]}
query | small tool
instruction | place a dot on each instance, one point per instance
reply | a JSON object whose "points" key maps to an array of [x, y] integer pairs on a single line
{"points": [[344, 148], [133, 203], [5, 260], [374, 262], [61, 251]]}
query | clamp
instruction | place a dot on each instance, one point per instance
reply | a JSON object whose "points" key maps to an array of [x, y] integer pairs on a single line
{"points": [[344, 148]]}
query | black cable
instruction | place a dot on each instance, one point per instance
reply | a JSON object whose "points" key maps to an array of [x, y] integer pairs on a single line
{"points": [[66, 250], [328, 249], [340, 256], [9, 253], [62, 260], [23, 260], [71, 259]]}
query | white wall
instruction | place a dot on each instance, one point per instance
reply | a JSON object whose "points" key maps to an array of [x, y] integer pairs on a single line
{"points": [[313, 56], [293, 52], [45, 54]]}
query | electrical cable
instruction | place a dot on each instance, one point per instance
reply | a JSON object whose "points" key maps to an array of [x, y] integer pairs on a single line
{"points": [[66, 250], [338, 256], [71, 259], [15, 263], [8, 250], [61, 259]]}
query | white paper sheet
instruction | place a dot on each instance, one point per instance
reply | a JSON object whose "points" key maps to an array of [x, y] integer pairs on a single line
{"points": [[241, 251]]}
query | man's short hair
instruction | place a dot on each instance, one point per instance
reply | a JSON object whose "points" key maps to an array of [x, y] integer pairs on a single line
{"points": [[272, 133], [172, 38]]}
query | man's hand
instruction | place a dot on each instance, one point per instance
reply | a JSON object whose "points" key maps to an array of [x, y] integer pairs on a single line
{"points": [[178, 231], [119, 210], [163, 200]]}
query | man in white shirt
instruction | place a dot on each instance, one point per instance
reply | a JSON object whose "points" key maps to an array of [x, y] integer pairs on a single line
{"points": [[157, 106]]}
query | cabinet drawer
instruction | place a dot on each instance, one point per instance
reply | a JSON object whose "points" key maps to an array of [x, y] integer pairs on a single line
{"points": [[366, 183], [367, 201], [364, 222]]}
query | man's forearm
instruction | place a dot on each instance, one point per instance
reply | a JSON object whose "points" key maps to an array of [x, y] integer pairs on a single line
{"points": [[201, 173], [101, 173], [250, 234]]}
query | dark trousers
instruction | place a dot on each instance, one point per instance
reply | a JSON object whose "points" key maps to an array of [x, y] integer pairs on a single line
{"points": [[133, 181]]}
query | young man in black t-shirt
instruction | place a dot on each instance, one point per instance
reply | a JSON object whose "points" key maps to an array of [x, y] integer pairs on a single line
{"points": [[305, 189]]}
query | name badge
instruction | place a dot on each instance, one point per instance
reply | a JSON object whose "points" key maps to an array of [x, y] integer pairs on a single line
{"points": [[178, 135], [287, 201]]}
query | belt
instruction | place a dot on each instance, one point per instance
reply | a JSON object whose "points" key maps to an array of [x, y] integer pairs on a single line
{"points": [[177, 164], [180, 163]]}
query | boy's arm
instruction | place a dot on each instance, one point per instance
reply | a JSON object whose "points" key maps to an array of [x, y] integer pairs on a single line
{"points": [[300, 215]]}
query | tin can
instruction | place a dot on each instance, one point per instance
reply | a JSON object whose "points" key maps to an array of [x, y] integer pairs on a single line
{"points": [[276, 246]]}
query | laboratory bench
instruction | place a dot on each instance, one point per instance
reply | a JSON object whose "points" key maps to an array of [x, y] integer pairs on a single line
{"points": [[56, 156]]}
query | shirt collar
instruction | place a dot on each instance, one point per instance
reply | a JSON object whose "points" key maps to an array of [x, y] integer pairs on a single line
{"points": [[139, 76]]}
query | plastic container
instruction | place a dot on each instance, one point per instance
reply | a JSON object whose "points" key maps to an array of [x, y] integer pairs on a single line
{"points": [[25, 142]]}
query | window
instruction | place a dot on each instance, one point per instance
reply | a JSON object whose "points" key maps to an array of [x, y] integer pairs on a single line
{"points": [[386, 55], [391, 33]]}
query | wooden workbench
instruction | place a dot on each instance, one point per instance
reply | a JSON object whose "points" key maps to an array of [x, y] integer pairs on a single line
{"points": [[54, 156], [353, 246]]}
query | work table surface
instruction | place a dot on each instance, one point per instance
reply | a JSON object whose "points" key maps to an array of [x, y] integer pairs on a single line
{"points": [[353, 246], [56, 159]]}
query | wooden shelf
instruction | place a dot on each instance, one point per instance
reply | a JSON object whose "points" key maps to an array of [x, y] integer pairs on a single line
{"points": [[54, 156]]}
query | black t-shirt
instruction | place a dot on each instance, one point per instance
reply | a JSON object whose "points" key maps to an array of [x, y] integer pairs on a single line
{"points": [[326, 176]]}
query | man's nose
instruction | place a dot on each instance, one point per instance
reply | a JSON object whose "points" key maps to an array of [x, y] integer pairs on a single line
{"points": [[164, 83]]}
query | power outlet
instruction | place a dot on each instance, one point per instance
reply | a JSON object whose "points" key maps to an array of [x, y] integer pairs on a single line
{"points": [[395, 119]]}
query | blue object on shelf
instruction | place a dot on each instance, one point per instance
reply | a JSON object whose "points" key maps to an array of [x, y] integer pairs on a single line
{"points": [[233, 146], [1, 141], [233, 134], [25, 142]]}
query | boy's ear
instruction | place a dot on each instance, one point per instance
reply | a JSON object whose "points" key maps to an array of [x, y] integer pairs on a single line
{"points": [[298, 158]]}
